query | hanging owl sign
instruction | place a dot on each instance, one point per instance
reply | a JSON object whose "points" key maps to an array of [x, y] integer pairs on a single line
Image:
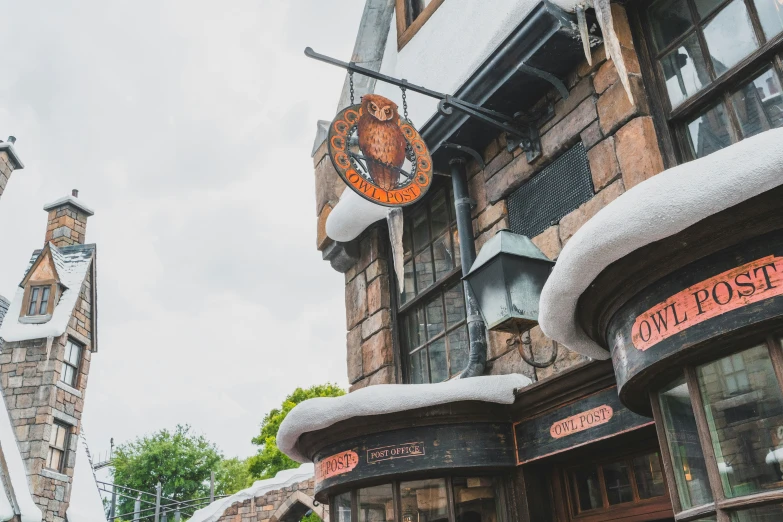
{"points": [[378, 154]]}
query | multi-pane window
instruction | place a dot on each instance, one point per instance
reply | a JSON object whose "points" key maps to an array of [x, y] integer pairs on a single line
{"points": [[714, 61], [58, 447], [450, 499], [723, 422], [73, 356], [432, 311], [39, 300], [605, 486]]}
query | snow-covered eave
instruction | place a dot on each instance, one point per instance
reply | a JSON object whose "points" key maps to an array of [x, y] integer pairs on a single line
{"points": [[653, 210], [319, 413], [283, 479]]}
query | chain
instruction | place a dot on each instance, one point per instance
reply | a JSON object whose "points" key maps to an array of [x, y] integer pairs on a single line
{"points": [[405, 104], [350, 80]]}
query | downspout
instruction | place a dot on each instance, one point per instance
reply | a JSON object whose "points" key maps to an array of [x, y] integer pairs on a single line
{"points": [[477, 331]]}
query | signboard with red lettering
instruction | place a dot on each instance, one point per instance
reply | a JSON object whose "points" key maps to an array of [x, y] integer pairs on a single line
{"points": [[727, 291], [593, 418], [338, 464]]}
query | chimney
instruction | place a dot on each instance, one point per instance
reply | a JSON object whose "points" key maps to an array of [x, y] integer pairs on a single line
{"points": [[9, 162], [67, 222]]}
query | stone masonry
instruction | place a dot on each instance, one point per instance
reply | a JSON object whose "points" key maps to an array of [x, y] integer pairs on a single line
{"points": [[67, 226], [8, 163], [35, 398], [622, 148], [280, 505]]}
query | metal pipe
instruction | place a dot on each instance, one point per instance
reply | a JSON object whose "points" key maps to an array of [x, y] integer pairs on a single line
{"points": [[113, 510], [211, 487], [477, 331], [157, 502], [136, 509]]}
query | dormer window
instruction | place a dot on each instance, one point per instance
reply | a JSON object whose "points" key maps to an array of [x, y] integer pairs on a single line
{"points": [[39, 300]]}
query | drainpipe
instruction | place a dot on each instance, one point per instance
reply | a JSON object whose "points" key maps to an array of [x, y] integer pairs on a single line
{"points": [[477, 331]]}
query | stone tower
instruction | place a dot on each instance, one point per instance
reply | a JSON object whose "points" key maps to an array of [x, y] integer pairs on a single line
{"points": [[50, 336]]}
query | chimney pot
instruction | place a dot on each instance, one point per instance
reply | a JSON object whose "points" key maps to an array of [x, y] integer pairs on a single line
{"points": [[75, 193], [11, 139]]}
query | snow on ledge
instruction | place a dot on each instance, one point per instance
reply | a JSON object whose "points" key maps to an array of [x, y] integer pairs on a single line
{"points": [[653, 210], [322, 412], [352, 215], [283, 479], [86, 504]]}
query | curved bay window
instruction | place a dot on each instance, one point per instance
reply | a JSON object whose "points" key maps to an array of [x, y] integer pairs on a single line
{"points": [[722, 422], [451, 499], [718, 69], [434, 334]]}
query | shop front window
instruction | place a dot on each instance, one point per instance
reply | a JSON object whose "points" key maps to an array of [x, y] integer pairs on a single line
{"points": [[723, 423], [619, 483], [450, 499]]}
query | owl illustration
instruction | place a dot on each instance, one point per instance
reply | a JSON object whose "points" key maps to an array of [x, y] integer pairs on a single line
{"points": [[381, 140]]}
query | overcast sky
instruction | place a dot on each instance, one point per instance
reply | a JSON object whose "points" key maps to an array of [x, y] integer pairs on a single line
{"points": [[187, 125]]}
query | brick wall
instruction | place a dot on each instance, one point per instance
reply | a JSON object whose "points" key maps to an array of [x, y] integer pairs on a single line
{"points": [[66, 226], [6, 169], [29, 375], [274, 505], [622, 149]]}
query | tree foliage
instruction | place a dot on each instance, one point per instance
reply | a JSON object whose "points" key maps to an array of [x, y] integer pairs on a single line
{"points": [[270, 460], [231, 476], [181, 460]]}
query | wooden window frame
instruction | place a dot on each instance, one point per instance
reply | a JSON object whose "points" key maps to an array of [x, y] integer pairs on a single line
{"points": [[501, 481], [28, 293], [407, 30], [722, 507], [636, 509], [77, 368], [672, 122], [64, 450]]}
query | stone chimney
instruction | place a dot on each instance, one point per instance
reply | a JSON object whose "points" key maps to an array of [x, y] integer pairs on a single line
{"points": [[9, 162], [67, 224]]}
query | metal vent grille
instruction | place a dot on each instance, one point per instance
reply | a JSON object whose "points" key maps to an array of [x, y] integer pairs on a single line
{"points": [[551, 194]]}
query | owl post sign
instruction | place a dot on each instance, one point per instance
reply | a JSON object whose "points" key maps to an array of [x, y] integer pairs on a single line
{"points": [[378, 154]]}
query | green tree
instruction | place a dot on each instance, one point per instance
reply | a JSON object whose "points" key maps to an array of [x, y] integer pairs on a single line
{"points": [[270, 460], [232, 475], [181, 460]]}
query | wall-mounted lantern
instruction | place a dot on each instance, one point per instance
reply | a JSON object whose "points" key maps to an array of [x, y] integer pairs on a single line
{"points": [[507, 278]]}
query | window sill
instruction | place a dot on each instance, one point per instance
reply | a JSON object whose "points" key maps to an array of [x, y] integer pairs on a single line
{"points": [[69, 389], [35, 319], [56, 475]]}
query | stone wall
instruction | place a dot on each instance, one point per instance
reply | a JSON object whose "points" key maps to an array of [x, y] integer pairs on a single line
{"points": [[622, 149], [35, 398], [280, 505], [6, 169], [66, 226]]}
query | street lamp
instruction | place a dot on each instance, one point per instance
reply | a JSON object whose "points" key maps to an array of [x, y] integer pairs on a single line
{"points": [[507, 278]]}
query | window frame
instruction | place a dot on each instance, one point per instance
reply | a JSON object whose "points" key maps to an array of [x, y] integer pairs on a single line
{"points": [[721, 506], [673, 121], [501, 483], [76, 369], [438, 288], [408, 29], [28, 294], [64, 450], [636, 506]]}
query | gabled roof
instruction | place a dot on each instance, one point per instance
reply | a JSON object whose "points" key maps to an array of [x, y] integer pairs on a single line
{"points": [[72, 264], [86, 504]]}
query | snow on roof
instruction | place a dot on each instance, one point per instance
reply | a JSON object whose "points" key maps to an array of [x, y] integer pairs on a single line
{"points": [[322, 412], [653, 210], [17, 473], [283, 479], [86, 504], [71, 200], [72, 264], [4, 303]]}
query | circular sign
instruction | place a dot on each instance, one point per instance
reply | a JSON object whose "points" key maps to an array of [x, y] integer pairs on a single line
{"points": [[381, 156]]}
